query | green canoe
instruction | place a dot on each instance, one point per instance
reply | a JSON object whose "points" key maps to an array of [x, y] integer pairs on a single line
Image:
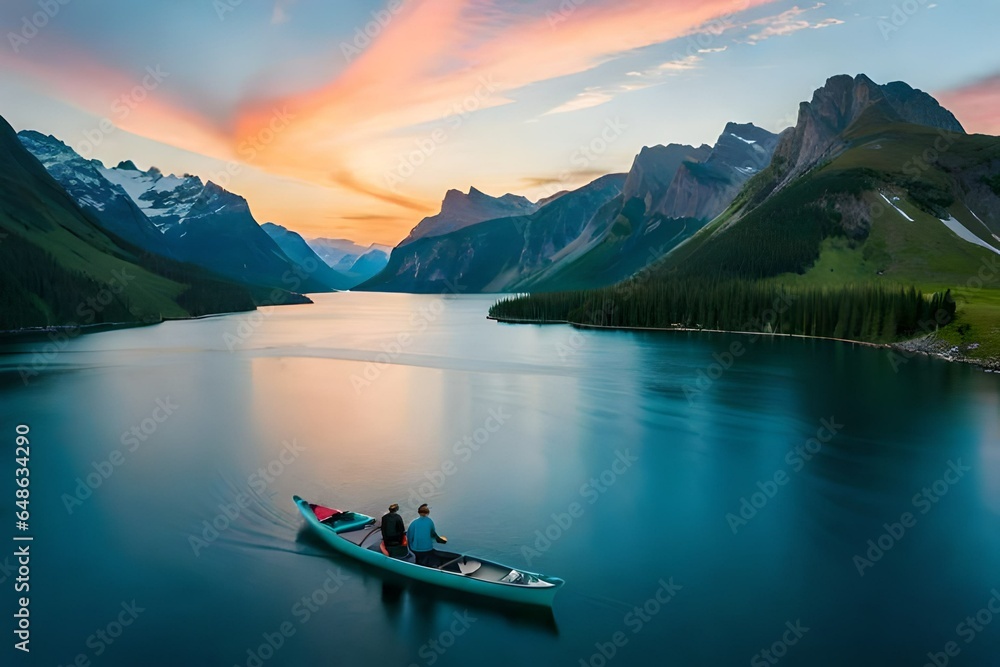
{"points": [[356, 535]]}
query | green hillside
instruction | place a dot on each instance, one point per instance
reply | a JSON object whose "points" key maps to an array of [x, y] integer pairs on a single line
{"points": [[57, 268], [871, 218]]}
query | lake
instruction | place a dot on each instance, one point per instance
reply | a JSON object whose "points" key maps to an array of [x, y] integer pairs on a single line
{"points": [[709, 499]]}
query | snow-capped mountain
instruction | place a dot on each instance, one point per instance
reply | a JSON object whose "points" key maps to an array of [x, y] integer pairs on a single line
{"points": [[84, 180], [702, 190], [175, 216], [167, 200]]}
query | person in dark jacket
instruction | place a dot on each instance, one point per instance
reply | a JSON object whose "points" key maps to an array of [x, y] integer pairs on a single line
{"points": [[394, 532]]}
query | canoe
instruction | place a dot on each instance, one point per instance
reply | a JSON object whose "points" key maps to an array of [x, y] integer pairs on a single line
{"points": [[356, 535]]}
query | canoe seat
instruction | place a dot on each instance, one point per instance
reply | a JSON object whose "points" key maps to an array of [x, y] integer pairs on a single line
{"points": [[400, 551], [469, 566]]}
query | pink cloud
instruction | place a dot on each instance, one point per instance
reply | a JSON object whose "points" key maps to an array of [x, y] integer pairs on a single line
{"points": [[976, 105], [432, 56]]}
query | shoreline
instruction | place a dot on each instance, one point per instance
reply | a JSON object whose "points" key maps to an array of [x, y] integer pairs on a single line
{"points": [[910, 347], [29, 333]]}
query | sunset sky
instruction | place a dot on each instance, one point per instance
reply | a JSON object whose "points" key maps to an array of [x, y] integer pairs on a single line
{"points": [[335, 132]]}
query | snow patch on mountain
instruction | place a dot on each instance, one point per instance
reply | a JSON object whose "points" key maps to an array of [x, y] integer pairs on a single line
{"points": [[901, 212], [963, 233]]}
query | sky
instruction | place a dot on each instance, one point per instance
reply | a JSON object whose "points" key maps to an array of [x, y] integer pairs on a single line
{"points": [[351, 119]]}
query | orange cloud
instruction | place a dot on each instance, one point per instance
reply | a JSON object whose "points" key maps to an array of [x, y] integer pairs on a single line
{"points": [[433, 58], [433, 64], [977, 105], [347, 180]]}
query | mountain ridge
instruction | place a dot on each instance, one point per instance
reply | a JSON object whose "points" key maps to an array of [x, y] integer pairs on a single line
{"points": [[178, 217], [459, 210]]}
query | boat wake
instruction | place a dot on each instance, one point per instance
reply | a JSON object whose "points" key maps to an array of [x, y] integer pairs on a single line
{"points": [[243, 518]]}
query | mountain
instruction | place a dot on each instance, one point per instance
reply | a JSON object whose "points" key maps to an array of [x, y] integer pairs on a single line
{"points": [[494, 255], [296, 248], [898, 192], [875, 196], [370, 263], [356, 261], [703, 190], [595, 235], [85, 182], [212, 227], [339, 254], [654, 213], [176, 217], [459, 210], [654, 169], [59, 267], [845, 101]]}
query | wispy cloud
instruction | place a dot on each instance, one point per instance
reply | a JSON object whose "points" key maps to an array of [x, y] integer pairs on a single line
{"points": [[429, 58], [430, 55], [347, 180], [635, 80], [786, 23], [588, 99], [684, 64], [106, 92], [561, 180]]}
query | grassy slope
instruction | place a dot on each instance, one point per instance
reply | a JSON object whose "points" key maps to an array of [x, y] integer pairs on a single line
{"points": [[924, 253], [36, 211]]}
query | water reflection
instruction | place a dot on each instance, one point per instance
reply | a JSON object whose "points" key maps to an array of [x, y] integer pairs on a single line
{"points": [[364, 446]]}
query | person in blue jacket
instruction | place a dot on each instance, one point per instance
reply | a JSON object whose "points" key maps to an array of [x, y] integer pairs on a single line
{"points": [[421, 537]]}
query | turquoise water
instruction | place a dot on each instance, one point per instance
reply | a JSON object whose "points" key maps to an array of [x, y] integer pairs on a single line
{"points": [[702, 509]]}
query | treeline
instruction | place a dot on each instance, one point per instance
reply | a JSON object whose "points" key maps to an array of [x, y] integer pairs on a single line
{"points": [[782, 235], [35, 290], [206, 294], [872, 313]]}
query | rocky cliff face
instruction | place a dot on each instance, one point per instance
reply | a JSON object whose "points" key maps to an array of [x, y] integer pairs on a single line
{"points": [[654, 169], [83, 179], [916, 106], [493, 255], [702, 190], [179, 217], [843, 101]]}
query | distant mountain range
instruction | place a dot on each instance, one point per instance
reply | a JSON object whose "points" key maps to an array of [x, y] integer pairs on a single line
{"points": [[296, 249], [875, 186], [357, 262], [69, 226], [59, 266], [874, 183], [179, 217], [595, 235]]}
